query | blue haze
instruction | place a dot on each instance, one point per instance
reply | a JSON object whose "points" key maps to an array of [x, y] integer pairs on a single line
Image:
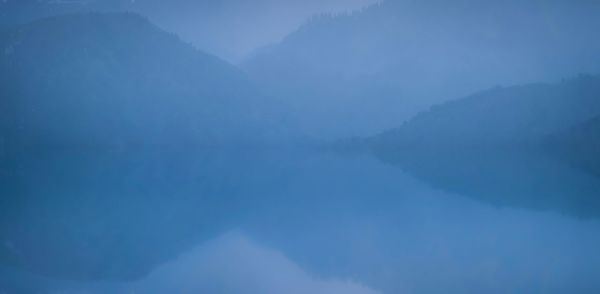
{"points": [[301, 147]]}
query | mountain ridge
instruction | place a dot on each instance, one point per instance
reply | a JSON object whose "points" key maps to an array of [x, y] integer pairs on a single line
{"points": [[348, 71]]}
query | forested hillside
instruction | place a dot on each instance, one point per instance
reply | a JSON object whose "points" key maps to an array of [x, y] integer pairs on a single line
{"points": [[357, 74], [115, 79], [517, 117]]}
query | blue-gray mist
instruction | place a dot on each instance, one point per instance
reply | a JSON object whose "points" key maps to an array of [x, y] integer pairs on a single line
{"points": [[268, 147]]}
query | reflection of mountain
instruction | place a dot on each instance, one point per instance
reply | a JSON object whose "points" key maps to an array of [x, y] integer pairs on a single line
{"points": [[505, 178], [98, 117], [491, 146], [579, 145], [359, 73], [90, 215]]}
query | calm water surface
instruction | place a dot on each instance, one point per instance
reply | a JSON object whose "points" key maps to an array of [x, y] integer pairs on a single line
{"points": [[291, 221]]}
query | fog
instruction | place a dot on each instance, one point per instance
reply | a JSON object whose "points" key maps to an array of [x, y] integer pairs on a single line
{"points": [[266, 147], [230, 29]]}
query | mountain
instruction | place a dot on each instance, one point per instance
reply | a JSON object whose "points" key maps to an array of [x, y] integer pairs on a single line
{"points": [[114, 145], [115, 79], [359, 73], [230, 29], [516, 117], [499, 146]]}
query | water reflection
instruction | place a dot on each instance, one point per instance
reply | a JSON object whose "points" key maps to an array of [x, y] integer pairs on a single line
{"points": [[529, 179], [90, 215], [329, 223]]}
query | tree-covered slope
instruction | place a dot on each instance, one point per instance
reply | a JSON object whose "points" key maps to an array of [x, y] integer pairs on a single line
{"points": [[500, 117], [360, 73], [116, 79]]}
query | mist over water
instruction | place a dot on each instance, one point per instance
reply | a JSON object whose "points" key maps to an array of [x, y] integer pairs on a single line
{"points": [[401, 147]]}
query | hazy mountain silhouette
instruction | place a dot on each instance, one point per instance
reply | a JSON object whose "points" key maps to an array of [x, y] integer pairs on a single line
{"points": [[230, 29], [115, 79], [493, 146], [121, 147], [360, 73], [516, 117], [105, 122]]}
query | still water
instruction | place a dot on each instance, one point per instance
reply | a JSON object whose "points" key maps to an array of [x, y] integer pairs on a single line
{"points": [[294, 221]]}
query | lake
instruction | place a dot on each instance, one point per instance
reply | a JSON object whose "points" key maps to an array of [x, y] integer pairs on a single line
{"points": [[296, 220]]}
